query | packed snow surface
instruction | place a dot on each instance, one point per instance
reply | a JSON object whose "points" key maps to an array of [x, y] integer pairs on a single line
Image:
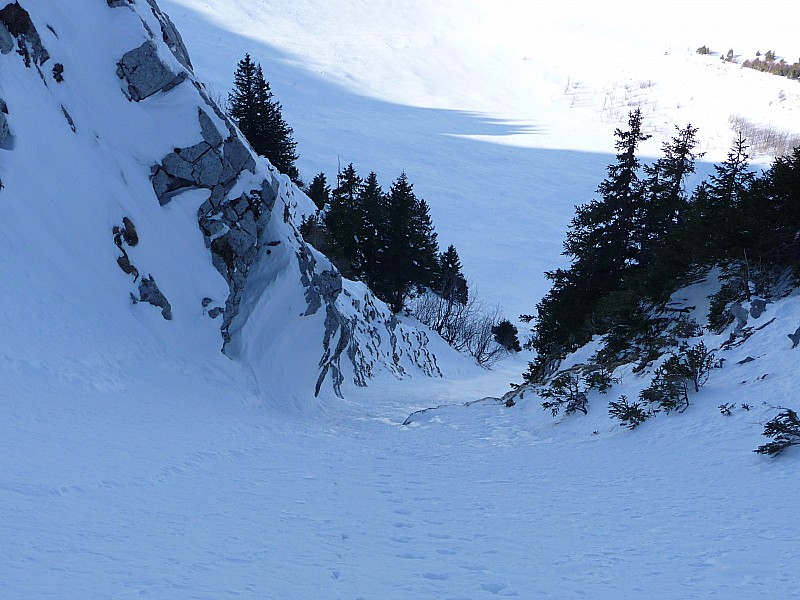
{"points": [[136, 460], [182, 487]]}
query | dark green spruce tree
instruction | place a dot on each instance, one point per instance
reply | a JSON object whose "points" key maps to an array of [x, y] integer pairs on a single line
{"points": [[603, 245], [664, 198], [259, 117], [450, 281], [718, 229], [343, 221], [319, 191], [777, 236], [410, 259], [371, 231], [242, 99], [664, 247]]}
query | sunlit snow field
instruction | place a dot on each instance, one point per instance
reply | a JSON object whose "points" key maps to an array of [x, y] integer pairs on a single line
{"points": [[131, 467]]}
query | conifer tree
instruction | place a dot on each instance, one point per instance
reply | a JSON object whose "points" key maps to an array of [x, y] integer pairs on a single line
{"points": [[410, 256], [259, 117], [319, 191], [778, 213], [715, 217], [451, 283], [664, 199], [242, 100], [343, 221], [371, 230], [603, 244], [601, 239]]}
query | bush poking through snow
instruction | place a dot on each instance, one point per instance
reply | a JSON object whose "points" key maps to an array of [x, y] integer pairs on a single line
{"points": [[630, 414], [784, 430], [506, 334], [566, 392], [689, 369], [600, 379], [467, 327], [669, 389]]}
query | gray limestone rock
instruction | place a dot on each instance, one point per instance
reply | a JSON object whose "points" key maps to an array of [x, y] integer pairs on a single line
{"points": [[207, 170], [17, 23], [795, 337], [176, 166], [238, 155], [171, 36], [228, 176], [209, 131], [249, 225], [146, 73], [212, 228], [193, 153], [269, 192], [160, 181], [757, 307], [118, 3], [149, 292], [740, 314], [240, 241], [6, 41], [4, 131], [240, 206], [217, 196], [325, 287]]}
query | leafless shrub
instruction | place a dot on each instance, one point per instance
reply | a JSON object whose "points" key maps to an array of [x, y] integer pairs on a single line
{"points": [[765, 139], [467, 327]]}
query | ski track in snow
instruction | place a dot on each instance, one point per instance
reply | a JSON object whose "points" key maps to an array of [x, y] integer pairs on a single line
{"points": [[194, 497]]}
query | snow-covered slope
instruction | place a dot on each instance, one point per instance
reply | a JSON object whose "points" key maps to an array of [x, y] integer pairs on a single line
{"points": [[124, 185], [502, 113], [138, 460]]}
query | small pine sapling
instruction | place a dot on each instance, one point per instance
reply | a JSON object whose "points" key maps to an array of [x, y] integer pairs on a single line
{"points": [[669, 389], [565, 392], [784, 430], [726, 408], [630, 414], [689, 369], [697, 361], [506, 334], [601, 379]]}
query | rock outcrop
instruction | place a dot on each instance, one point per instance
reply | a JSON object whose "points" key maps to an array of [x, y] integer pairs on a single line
{"points": [[171, 36], [359, 330], [149, 292], [360, 334], [4, 131], [231, 226], [15, 22], [145, 72]]}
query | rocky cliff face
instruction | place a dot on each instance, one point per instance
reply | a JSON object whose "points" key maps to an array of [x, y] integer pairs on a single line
{"points": [[282, 296]]}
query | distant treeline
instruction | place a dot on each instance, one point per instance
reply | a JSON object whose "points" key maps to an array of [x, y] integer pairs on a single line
{"points": [[768, 63]]}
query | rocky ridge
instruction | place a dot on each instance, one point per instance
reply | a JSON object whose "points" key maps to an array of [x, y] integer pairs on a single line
{"points": [[359, 336]]}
